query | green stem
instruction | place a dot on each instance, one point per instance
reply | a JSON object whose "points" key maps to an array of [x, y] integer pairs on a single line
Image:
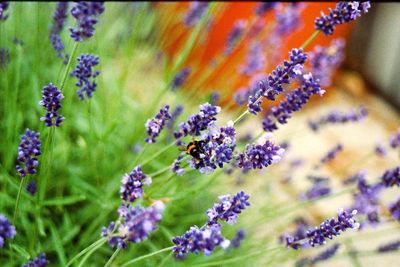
{"points": [[83, 252], [68, 66], [21, 184], [158, 153], [155, 174], [112, 257], [147, 256], [141, 153]]}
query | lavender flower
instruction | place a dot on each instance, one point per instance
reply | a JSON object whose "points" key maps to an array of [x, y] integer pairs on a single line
{"points": [[4, 57], [136, 225], [84, 73], [180, 78], [322, 256], [327, 229], [195, 13], [380, 150], [234, 35], [228, 208], [391, 177], [287, 18], [196, 240], [324, 60], [319, 189], [394, 209], [3, 8], [86, 14], [7, 230], [355, 177], [51, 101], [273, 85], [214, 98], [31, 188], [264, 7], [344, 12], [260, 155], [299, 234], [28, 151], [198, 122], [294, 102], [392, 246], [336, 116], [395, 139], [59, 18], [154, 126], [240, 235], [176, 166], [39, 261], [132, 185], [255, 60], [332, 153]]}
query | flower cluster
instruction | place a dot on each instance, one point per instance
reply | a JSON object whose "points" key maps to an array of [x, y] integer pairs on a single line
{"points": [[264, 7], [242, 95], [332, 153], [51, 101], [86, 14], [287, 18], [395, 140], [322, 256], [155, 125], [3, 8], [335, 116], [327, 229], [196, 11], [7, 230], [59, 18], [234, 35], [31, 188], [392, 246], [132, 185], [39, 261], [294, 101], [176, 166], [355, 177], [380, 150], [394, 209], [317, 190], [259, 155], [344, 12], [28, 151], [180, 78], [84, 73], [325, 59], [299, 234], [208, 237], [273, 84], [391, 177], [240, 235], [198, 122], [255, 60]]}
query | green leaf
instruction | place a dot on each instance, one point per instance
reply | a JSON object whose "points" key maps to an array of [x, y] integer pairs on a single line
{"points": [[21, 251], [64, 200], [58, 245]]}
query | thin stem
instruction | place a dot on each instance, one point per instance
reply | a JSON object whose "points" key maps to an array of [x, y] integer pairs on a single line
{"points": [[112, 257], [158, 153], [155, 174], [141, 153], [146, 256], [18, 199], [83, 252], [89, 253], [68, 66]]}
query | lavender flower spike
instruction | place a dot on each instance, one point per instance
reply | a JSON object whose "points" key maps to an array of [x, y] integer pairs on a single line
{"points": [[392, 246], [132, 185], [196, 11], [180, 78], [3, 8], [395, 139], [344, 12], [394, 209], [28, 151], [85, 74], [7, 230], [332, 153], [154, 126], [39, 261], [391, 177], [86, 14], [234, 35], [51, 101], [59, 17]]}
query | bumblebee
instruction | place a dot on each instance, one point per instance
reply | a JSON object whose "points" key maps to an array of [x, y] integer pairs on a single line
{"points": [[195, 149]]}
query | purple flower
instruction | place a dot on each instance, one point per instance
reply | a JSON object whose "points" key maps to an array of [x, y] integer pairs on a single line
{"points": [[240, 235], [394, 209], [392, 246], [391, 177], [85, 74], [39, 261], [335, 116], [322, 256], [51, 101], [3, 8], [4, 57], [299, 234], [196, 240], [259, 155], [318, 190], [7, 230], [86, 14], [380, 150], [154, 126], [264, 7], [234, 35], [344, 12], [132, 185], [176, 166], [294, 101], [325, 60], [136, 225], [59, 18], [28, 151], [255, 60], [214, 98], [180, 78], [355, 177], [273, 84], [195, 13], [332, 153], [228, 209], [287, 18], [395, 139], [31, 188], [327, 230], [198, 122]]}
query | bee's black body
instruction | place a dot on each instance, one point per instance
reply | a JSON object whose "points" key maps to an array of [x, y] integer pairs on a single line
{"points": [[195, 149]]}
